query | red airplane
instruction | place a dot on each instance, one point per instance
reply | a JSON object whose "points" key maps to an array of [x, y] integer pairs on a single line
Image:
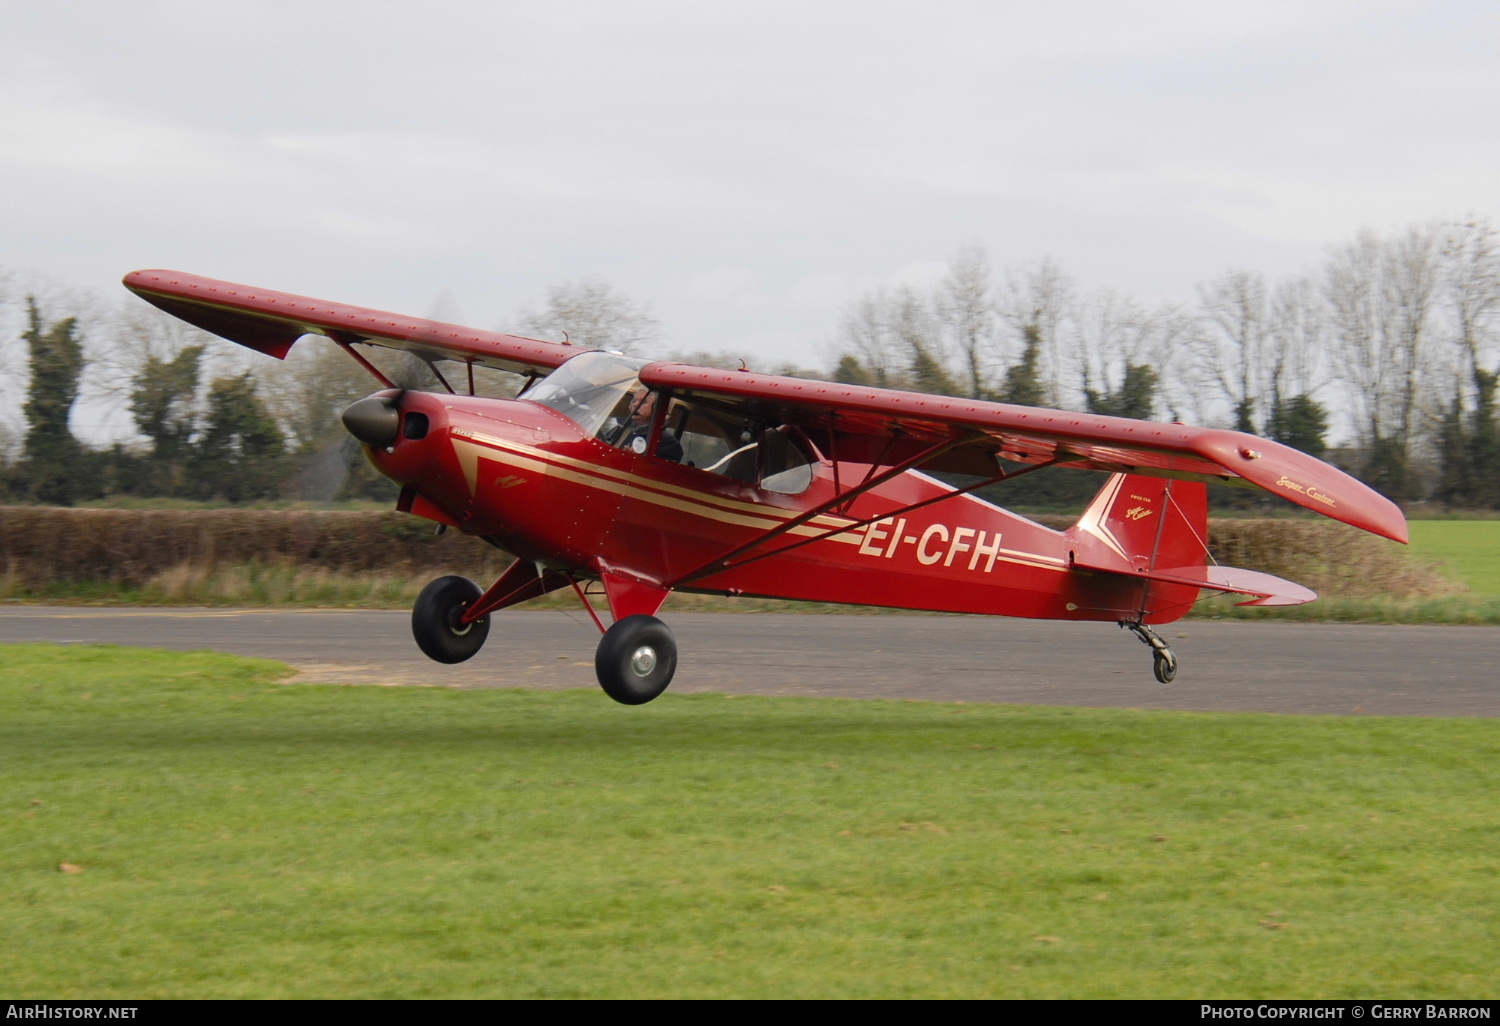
{"points": [[650, 477]]}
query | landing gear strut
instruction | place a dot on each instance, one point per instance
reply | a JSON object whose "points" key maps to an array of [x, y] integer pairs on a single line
{"points": [[1163, 659]]}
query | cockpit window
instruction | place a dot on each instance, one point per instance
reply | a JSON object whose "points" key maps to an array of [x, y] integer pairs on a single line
{"points": [[594, 389]]}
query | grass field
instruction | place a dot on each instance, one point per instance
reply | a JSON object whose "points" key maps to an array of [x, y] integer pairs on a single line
{"points": [[180, 825], [1470, 549], [1467, 551]]}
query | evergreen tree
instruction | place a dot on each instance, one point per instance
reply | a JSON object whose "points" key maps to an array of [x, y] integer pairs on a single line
{"points": [[241, 452], [1244, 415], [851, 372], [927, 373], [1135, 398], [163, 401], [1023, 381], [1484, 442], [1469, 449], [1455, 475], [51, 468], [1300, 422], [1386, 469]]}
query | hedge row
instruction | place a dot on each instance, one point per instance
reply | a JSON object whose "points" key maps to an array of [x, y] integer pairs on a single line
{"points": [[130, 548], [1333, 559]]}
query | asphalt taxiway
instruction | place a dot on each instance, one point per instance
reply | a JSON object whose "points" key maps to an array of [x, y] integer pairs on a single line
{"points": [[1343, 669]]}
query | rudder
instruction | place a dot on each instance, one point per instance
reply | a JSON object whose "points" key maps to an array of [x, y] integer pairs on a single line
{"points": [[1138, 526]]}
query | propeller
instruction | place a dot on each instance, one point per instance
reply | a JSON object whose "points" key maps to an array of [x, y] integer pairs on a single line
{"points": [[324, 475], [375, 419]]}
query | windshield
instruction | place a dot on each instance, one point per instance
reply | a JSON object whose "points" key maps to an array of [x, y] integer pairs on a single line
{"points": [[592, 388]]}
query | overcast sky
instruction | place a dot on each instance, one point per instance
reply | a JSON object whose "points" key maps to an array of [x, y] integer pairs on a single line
{"points": [[745, 169]]}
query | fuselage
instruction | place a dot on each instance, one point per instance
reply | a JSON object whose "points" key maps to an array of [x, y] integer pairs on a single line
{"points": [[537, 483]]}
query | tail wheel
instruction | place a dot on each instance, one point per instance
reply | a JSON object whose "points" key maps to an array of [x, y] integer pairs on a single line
{"points": [[636, 659], [436, 620], [1164, 666]]}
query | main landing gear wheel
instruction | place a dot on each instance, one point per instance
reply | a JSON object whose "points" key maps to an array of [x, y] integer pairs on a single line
{"points": [[636, 659], [436, 620], [1163, 659]]}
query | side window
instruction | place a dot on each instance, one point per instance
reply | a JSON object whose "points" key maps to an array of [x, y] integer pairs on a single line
{"points": [[715, 441], [734, 445], [785, 467]]}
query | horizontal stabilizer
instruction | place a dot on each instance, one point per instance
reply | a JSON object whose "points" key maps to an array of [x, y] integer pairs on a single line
{"points": [[1268, 589]]}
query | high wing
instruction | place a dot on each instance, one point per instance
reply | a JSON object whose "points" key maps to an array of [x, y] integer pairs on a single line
{"points": [[271, 322], [970, 436]]}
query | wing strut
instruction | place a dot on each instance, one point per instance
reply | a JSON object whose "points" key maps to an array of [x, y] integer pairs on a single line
{"points": [[719, 563], [726, 564], [432, 366], [346, 343]]}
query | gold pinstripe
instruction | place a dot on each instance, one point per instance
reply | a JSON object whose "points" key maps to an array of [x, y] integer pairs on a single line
{"points": [[543, 463]]}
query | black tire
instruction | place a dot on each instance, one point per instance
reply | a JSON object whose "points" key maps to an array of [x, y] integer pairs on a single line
{"points": [[1165, 667], [636, 659], [435, 620]]}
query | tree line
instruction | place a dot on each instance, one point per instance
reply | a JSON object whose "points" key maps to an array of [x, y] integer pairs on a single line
{"points": [[1384, 359]]}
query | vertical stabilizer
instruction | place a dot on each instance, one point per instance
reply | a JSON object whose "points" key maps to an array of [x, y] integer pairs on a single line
{"points": [[1142, 526]]}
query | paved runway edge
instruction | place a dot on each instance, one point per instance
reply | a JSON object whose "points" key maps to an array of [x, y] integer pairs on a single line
{"points": [[1340, 669]]}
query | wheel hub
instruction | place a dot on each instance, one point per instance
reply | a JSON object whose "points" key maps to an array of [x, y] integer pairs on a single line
{"points": [[643, 661], [456, 625]]}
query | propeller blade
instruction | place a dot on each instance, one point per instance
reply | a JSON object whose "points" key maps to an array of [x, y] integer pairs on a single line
{"points": [[324, 475]]}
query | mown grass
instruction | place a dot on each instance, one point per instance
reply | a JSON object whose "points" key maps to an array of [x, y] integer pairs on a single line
{"points": [[1469, 549], [233, 837]]}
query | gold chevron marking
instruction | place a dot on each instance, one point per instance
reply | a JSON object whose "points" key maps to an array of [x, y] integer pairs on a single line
{"points": [[468, 460], [537, 461], [694, 495]]}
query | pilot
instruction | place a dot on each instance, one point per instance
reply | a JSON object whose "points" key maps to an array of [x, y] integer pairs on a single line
{"points": [[638, 432]]}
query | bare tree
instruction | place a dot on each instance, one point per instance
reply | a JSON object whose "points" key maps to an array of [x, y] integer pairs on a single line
{"points": [[865, 334], [307, 391], [1124, 353], [1380, 296], [1035, 302], [892, 339], [1296, 340], [595, 316], [1232, 353], [1469, 438], [965, 305], [1471, 285], [12, 370], [914, 328]]}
